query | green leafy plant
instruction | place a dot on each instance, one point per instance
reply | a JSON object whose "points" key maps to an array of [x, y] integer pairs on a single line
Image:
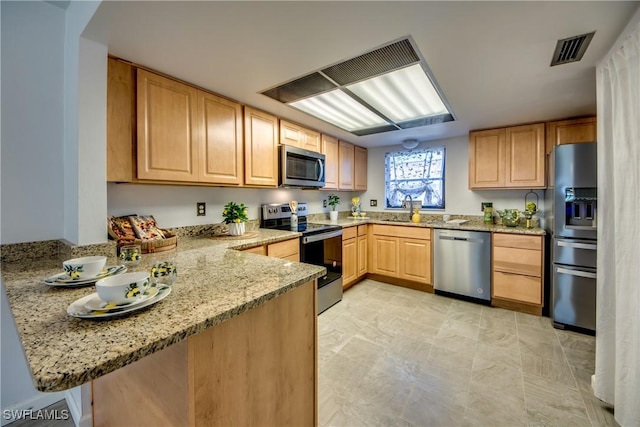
{"points": [[234, 212], [334, 201]]}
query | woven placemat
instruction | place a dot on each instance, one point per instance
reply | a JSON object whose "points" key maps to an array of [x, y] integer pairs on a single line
{"points": [[247, 235]]}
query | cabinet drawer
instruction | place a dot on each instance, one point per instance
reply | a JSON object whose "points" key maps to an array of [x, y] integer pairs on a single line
{"points": [[349, 233], [402, 231], [362, 230], [284, 249], [517, 288], [260, 250], [517, 241], [518, 261]]}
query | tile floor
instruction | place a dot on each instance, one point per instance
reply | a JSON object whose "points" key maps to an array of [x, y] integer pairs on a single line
{"points": [[391, 356]]}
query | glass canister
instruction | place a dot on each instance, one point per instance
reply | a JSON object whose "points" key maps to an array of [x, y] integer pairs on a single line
{"points": [[488, 213]]}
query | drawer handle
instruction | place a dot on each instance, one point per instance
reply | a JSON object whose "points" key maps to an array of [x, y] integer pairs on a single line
{"points": [[578, 273], [588, 246]]}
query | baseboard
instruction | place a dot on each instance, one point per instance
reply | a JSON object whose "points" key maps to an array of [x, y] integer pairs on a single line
{"points": [[37, 402]]}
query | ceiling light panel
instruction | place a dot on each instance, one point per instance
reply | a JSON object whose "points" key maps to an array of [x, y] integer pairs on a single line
{"points": [[340, 109], [401, 95]]}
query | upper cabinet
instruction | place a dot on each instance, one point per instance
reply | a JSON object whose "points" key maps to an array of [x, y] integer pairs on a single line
{"points": [[298, 136], [331, 162], [219, 122], [345, 169], [360, 169], [121, 119], [261, 143], [571, 132], [167, 133], [512, 157]]}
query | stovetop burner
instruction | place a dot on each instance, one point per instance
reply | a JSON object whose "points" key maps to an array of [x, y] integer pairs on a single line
{"points": [[278, 217]]}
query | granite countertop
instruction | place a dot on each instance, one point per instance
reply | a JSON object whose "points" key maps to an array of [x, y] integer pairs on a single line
{"points": [[214, 283], [472, 225]]}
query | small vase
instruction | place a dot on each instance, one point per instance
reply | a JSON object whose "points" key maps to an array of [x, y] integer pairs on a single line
{"points": [[236, 228], [333, 215]]}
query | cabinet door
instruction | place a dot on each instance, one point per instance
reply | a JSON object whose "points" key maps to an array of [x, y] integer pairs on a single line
{"points": [[299, 136], [415, 260], [349, 261], [121, 112], [384, 256], [221, 157], [346, 160], [362, 255], [260, 144], [525, 156], [486, 158], [331, 164], [572, 131], [167, 146], [360, 168]]}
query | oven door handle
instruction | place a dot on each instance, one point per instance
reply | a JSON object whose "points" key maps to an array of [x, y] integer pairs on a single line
{"points": [[321, 236]]}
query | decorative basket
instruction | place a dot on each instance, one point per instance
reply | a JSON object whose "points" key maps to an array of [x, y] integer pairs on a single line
{"points": [[150, 246]]}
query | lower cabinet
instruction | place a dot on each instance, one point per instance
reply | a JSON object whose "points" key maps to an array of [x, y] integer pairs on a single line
{"points": [[401, 253], [518, 265], [354, 254], [287, 249]]}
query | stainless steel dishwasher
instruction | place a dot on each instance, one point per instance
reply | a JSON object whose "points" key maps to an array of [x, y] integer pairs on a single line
{"points": [[462, 263]]}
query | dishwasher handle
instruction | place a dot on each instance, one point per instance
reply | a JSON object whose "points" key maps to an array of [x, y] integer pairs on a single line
{"points": [[461, 239]]}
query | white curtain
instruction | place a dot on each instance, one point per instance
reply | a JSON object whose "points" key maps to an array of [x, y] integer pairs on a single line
{"points": [[617, 376]]}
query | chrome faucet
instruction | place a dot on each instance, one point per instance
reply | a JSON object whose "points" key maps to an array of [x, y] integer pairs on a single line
{"points": [[410, 204]]}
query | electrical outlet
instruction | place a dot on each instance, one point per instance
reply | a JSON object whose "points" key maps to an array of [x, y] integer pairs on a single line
{"points": [[324, 203], [373, 202], [201, 209]]}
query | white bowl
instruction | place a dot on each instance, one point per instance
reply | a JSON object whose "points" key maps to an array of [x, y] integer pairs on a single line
{"points": [[84, 268], [124, 288]]}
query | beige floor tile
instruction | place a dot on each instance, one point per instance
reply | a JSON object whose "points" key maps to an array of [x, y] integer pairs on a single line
{"points": [[428, 360]]}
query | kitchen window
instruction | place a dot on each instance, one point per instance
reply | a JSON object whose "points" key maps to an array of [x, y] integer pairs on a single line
{"points": [[417, 173]]}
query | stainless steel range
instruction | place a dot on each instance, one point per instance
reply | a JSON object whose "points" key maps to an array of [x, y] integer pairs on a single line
{"points": [[319, 245]]}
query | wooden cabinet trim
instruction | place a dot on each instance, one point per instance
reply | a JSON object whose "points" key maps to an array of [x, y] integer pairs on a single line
{"points": [[401, 231], [517, 287], [284, 249], [521, 241]]}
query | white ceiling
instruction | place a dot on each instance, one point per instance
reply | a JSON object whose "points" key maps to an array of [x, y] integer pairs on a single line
{"points": [[491, 59]]}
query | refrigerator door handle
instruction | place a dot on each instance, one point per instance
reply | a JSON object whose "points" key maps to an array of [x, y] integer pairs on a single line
{"points": [[578, 273], [591, 247]]}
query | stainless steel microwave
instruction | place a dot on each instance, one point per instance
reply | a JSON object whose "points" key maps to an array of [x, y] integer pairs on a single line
{"points": [[301, 168]]}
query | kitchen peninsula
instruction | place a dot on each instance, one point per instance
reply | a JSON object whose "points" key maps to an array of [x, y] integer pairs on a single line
{"points": [[234, 343]]}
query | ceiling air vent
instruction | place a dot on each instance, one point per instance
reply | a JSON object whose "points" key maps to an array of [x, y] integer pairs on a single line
{"points": [[571, 49]]}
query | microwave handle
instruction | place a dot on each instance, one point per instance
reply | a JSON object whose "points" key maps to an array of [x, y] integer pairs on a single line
{"points": [[321, 169]]}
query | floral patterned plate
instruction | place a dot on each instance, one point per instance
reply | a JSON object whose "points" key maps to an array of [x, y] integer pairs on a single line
{"points": [[78, 309], [63, 279], [95, 303]]}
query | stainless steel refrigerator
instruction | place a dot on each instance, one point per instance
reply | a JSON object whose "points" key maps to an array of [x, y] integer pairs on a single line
{"points": [[572, 222]]}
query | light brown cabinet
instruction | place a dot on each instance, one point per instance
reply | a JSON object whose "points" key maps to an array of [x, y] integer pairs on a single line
{"points": [[299, 136], [572, 131], [220, 157], [403, 253], [360, 168], [354, 254], [260, 148], [167, 133], [331, 163], [512, 157], [345, 162], [286, 249], [223, 375], [121, 120], [518, 263]]}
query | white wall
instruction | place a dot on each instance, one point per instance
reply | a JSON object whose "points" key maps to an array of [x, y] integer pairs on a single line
{"points": [[175, 206], [459, 200], [32, 118]]}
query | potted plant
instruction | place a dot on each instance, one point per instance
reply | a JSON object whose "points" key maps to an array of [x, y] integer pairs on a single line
{"points": [[334, 201], [235, 215]]}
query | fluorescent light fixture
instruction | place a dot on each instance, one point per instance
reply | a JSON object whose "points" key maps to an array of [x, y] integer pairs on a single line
{"points": [[401, 95], [340, 109], [385, 89]]}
